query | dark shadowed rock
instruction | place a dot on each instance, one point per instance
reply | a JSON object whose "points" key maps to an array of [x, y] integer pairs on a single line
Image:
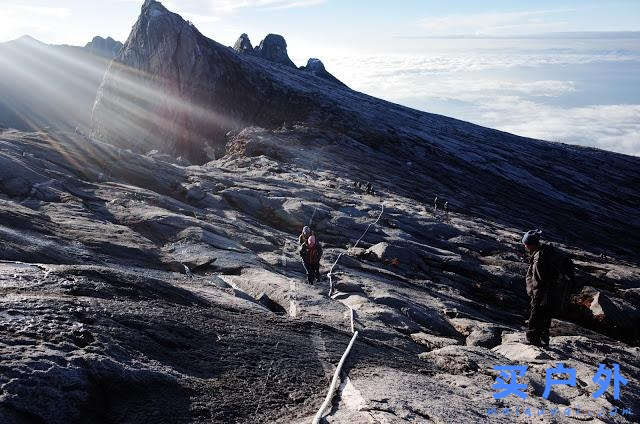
{"points": [[274, 307], [274, 49], [160, 94], [486, 337]]}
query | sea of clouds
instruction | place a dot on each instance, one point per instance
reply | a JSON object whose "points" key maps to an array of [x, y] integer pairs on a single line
{"points": [[544, 93]]}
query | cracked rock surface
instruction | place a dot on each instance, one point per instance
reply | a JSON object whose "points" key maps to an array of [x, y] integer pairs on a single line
{"points": [[139, 286], [134, 289]]}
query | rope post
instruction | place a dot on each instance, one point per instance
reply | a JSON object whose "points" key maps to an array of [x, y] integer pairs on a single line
{"points": [[336, 374], [352, 324]]}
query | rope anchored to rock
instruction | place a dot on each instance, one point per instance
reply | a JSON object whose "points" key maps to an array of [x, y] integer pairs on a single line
{"points": [[336, 374]]}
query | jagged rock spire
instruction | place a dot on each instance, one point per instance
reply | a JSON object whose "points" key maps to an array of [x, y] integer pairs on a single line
{"points": [[274, 48], [172, 89], [243, 44], [316, 67]]}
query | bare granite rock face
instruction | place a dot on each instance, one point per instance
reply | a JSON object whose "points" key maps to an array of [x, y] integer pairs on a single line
{"points": [[136, 287], [274, 49], [138, 281], [243, 44]]}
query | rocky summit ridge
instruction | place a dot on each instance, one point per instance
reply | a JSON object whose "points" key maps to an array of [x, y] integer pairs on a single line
{"points": [[139, 286]]}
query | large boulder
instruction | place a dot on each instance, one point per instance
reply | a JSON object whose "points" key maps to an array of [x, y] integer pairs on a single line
{"points": [[600, 310], [486, 337], [519, 352], [395, 256]]}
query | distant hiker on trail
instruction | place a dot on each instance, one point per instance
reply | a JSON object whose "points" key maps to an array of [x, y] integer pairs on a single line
{"points": [[310, 252], [446, 207], [369, 188], [549, 284]]}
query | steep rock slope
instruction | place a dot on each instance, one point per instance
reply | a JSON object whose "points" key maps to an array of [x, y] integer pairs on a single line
{"points": [[138, 290], [316, 67], [175, 90]]}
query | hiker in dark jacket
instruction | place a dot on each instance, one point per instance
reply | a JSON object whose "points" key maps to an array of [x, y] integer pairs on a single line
{"points": [[311, 252], [545, 265]]}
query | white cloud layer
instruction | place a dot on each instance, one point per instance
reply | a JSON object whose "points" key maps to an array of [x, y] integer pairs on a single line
{"points": [[470, 89], [380, 66], [610, 127]]}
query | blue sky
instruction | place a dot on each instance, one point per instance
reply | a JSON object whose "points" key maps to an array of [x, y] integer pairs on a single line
{"points": [[583, 90], [320, 21]]}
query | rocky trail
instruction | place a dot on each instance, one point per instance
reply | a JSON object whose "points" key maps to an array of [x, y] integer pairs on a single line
{"points": [[149, 269], [136, 289]]}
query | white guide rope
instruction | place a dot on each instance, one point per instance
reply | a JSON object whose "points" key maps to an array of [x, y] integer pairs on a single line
{"points": [[336, 374]]}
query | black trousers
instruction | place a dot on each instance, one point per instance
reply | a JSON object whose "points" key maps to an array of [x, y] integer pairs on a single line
{"points": [[539, 323], [313, 271]]}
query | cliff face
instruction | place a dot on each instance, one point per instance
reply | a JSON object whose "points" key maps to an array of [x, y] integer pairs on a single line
{"points": [[174, 89], [274, 48]]}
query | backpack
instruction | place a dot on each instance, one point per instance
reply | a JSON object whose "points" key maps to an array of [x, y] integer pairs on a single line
{"points": [[314, 254], [564, 284]]}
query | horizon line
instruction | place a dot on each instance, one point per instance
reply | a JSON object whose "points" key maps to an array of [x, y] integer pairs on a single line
{"points": [[545, 35]]}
